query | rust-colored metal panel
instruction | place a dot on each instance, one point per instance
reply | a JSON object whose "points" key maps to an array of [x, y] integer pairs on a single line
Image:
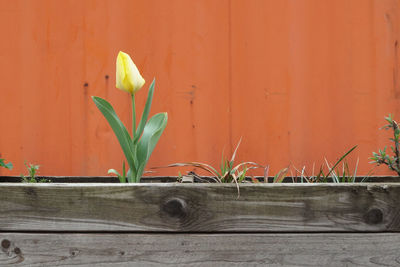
{"points": [[298, 80], [316, 78]]}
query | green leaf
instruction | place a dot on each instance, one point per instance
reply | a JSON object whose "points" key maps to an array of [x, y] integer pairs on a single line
{"points": [[389, 118], [118, 127], [130, 176], [242, 175], [145, 113], [113, 171], [334, 166], [122, 178], [6, 165], [278, 178], [223, 164], [151, 134], [123, 172]]}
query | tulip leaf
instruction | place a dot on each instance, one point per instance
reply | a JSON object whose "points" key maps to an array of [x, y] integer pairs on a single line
{"points": [[118, 127], [151, 134], [130, 177], [145, 113]]}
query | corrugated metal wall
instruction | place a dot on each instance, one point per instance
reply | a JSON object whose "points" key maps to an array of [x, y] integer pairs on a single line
{"points": [[296, 79]]}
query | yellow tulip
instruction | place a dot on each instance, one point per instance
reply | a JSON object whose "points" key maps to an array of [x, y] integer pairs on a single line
{"points": [[128, 76]]}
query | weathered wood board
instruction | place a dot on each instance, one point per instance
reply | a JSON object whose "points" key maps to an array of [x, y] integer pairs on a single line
{"points": [[333, 249], [365, 207]]}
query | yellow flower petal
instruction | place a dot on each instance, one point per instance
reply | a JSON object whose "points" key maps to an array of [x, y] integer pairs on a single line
{"points": [[128, 77]]}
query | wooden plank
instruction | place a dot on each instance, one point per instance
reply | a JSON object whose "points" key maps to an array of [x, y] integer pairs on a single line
{"points": [[200, 207], [200, 249]]}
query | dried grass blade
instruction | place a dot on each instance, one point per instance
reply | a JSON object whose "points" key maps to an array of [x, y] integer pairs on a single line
{"points": [[355, 171], [234, 153], [266, 171], [256, 165], [331, 172], [203, 166], [237, 185]]}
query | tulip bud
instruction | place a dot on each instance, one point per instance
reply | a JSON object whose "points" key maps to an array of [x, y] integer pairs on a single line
{"points": [[128, 77]]}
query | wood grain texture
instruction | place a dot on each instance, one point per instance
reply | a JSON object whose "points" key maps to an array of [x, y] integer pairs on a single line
{"points": [[200, 207], [200, 249]]}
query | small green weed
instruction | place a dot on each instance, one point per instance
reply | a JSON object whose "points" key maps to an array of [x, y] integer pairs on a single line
{"points": [[393, 162], [31, 178]]}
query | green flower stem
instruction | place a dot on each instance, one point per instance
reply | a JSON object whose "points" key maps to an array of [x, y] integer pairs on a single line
{"points": [[133, 116], [137, 147], [133, 169]]}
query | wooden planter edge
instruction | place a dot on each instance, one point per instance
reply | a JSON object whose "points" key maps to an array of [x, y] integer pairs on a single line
{"points": [[173, 207]]}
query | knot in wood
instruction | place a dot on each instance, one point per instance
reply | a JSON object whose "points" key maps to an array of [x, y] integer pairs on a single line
{"points": [[175, 207], [17, 251], [374, 216], [5, 243], [73, 252]]}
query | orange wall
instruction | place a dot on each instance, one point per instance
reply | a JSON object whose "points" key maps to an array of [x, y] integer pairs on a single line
{"points": [[298, 80]]}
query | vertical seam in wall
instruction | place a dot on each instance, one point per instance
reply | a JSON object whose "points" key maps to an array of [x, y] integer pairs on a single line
{"points": [[230, 75], [84, 165]]}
